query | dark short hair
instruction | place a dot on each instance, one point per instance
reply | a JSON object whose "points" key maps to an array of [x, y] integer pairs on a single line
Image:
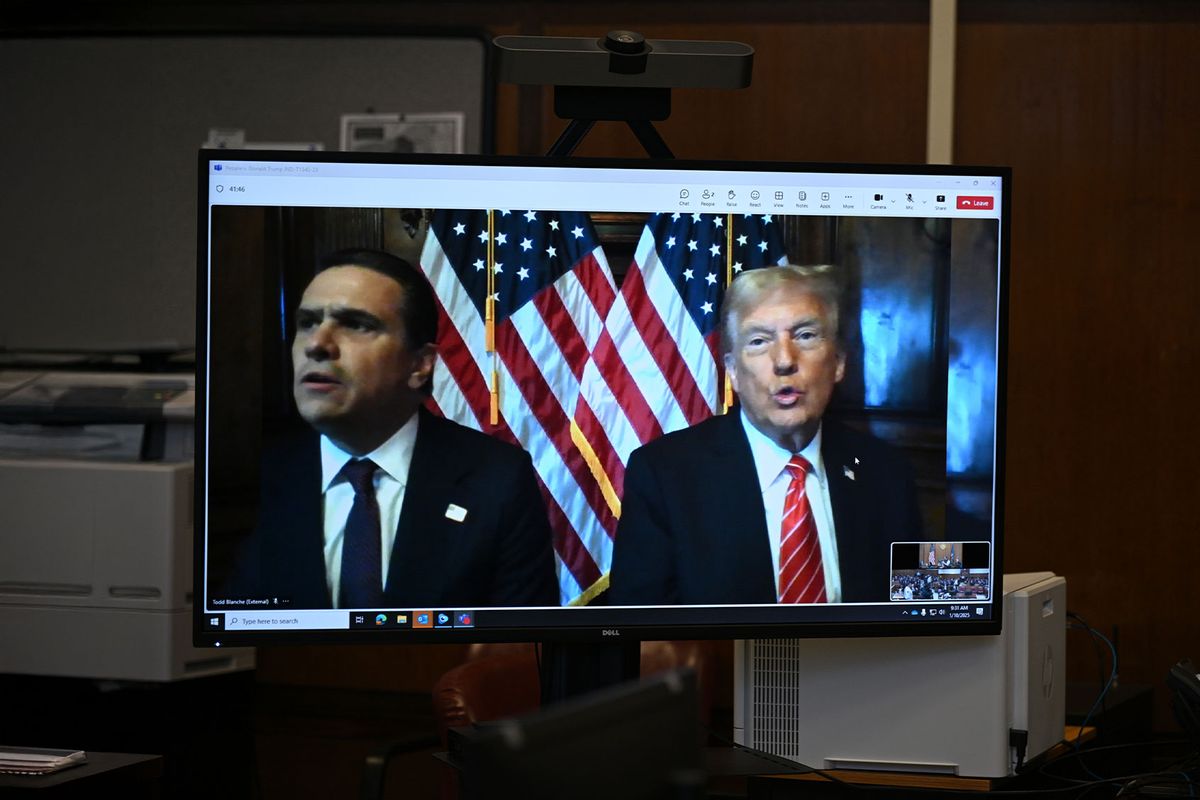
{"points": [[418, 306], [751, 286]]}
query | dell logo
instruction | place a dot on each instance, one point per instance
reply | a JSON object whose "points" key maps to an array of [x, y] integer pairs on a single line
{"points": [[610, 632]]}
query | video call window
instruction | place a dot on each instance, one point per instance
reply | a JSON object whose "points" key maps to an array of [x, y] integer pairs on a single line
{"points": [[579, 336]]}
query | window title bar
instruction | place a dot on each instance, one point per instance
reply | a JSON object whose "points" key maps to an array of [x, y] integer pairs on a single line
{"points": [[601, 189]]}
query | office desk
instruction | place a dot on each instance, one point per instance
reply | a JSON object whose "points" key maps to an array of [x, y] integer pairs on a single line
{"points": [[124, 775], [911, 784]]}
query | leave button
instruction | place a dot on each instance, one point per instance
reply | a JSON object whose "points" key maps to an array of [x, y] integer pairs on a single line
{"points": [[976, 202]]}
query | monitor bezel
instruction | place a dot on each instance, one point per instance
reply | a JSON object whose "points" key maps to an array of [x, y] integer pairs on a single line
{"points": [[583, 631]]}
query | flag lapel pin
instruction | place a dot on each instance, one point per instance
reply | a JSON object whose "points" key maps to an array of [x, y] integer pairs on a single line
{"points": [[455, 513], [849, 473]]}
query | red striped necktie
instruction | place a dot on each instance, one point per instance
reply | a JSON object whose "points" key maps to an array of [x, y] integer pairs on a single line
{"points": [[801, 575]]}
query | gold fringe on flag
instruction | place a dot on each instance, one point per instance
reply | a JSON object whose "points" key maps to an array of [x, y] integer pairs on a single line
{"points": [[489, 317], [494, 395], [591, 592], [489, 304], [597, 469], [728, 399]]}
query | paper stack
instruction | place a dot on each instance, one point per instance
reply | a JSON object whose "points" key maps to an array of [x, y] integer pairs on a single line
{"points": [[38, 760]]}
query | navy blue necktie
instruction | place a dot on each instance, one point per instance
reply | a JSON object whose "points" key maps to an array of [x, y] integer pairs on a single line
{"points": [[362, 561]]}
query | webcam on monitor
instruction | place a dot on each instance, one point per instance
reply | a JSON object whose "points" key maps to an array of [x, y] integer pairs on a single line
{"points": [[624, 59]]}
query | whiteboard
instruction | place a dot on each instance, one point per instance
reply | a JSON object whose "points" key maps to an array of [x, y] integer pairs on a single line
{"points": [[98, 155]]}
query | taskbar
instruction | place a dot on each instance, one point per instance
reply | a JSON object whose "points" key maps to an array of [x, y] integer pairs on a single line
{"points": [[591, 617]]}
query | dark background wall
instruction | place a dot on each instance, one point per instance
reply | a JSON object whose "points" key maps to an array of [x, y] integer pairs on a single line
{"points": [[1095, 106]]}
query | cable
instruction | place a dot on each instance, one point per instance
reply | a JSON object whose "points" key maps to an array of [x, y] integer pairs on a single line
{"points": [[1184, 771], [1018, 740], [1103, 692], [1099, 648], [1132, 788]]}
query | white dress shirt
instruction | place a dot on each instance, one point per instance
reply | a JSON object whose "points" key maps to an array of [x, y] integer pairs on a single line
{"points": [[770, 462], [393, 457]]}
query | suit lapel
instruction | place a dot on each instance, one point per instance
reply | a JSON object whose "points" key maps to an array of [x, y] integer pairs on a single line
{"points": [[431, 479], [844, 472], [296, 527], [737, 509]]}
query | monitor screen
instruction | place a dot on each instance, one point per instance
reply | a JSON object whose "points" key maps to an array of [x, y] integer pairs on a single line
{"points": [[453, 398]]}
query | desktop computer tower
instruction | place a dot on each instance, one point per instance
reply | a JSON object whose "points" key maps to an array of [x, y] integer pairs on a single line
{"points": [[913, 704]]}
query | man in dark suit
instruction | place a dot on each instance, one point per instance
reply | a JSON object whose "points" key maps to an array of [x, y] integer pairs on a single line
{"points": [[389, 506], [771, 503]]}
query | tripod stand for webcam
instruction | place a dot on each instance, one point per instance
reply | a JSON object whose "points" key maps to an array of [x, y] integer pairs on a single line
{"points": [[584, 106], [637, 107], [610, 106]]}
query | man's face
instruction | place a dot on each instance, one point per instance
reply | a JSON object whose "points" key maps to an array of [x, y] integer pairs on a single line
{"points": [[357, 379], [784, 364]]}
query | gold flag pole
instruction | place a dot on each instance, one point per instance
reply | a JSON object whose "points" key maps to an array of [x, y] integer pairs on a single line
{"points": [[728, 404], [489, 316]]}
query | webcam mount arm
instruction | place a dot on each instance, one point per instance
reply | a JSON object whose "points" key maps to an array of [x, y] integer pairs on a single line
{"points": [[623, 77]]}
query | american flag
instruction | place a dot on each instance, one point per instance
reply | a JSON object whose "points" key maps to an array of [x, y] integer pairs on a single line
{"points": [[550, 289], [665, 324], [582, 374]]}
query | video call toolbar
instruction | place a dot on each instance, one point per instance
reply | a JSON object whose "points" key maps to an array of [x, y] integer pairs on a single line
{"points": [[241, 183]]}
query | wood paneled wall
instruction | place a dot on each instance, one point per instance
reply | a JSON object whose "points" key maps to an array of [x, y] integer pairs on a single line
{"points": [[820, 92], [1096, 106], [1097, 109]]}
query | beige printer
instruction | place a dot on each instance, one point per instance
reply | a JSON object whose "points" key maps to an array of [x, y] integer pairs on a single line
{"points": [[96, 528]]}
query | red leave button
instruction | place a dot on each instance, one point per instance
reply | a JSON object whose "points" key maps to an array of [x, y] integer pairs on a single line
{"points": [[975, 202]]}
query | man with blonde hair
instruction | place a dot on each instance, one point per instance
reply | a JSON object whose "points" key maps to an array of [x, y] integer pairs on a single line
{"points": [[772, 502]]}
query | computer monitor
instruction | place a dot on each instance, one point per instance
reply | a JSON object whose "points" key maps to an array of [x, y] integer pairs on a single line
{"points": [[577, 320]]}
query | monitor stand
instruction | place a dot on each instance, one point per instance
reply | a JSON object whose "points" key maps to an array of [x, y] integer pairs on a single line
{"points": [[571, 669]]}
